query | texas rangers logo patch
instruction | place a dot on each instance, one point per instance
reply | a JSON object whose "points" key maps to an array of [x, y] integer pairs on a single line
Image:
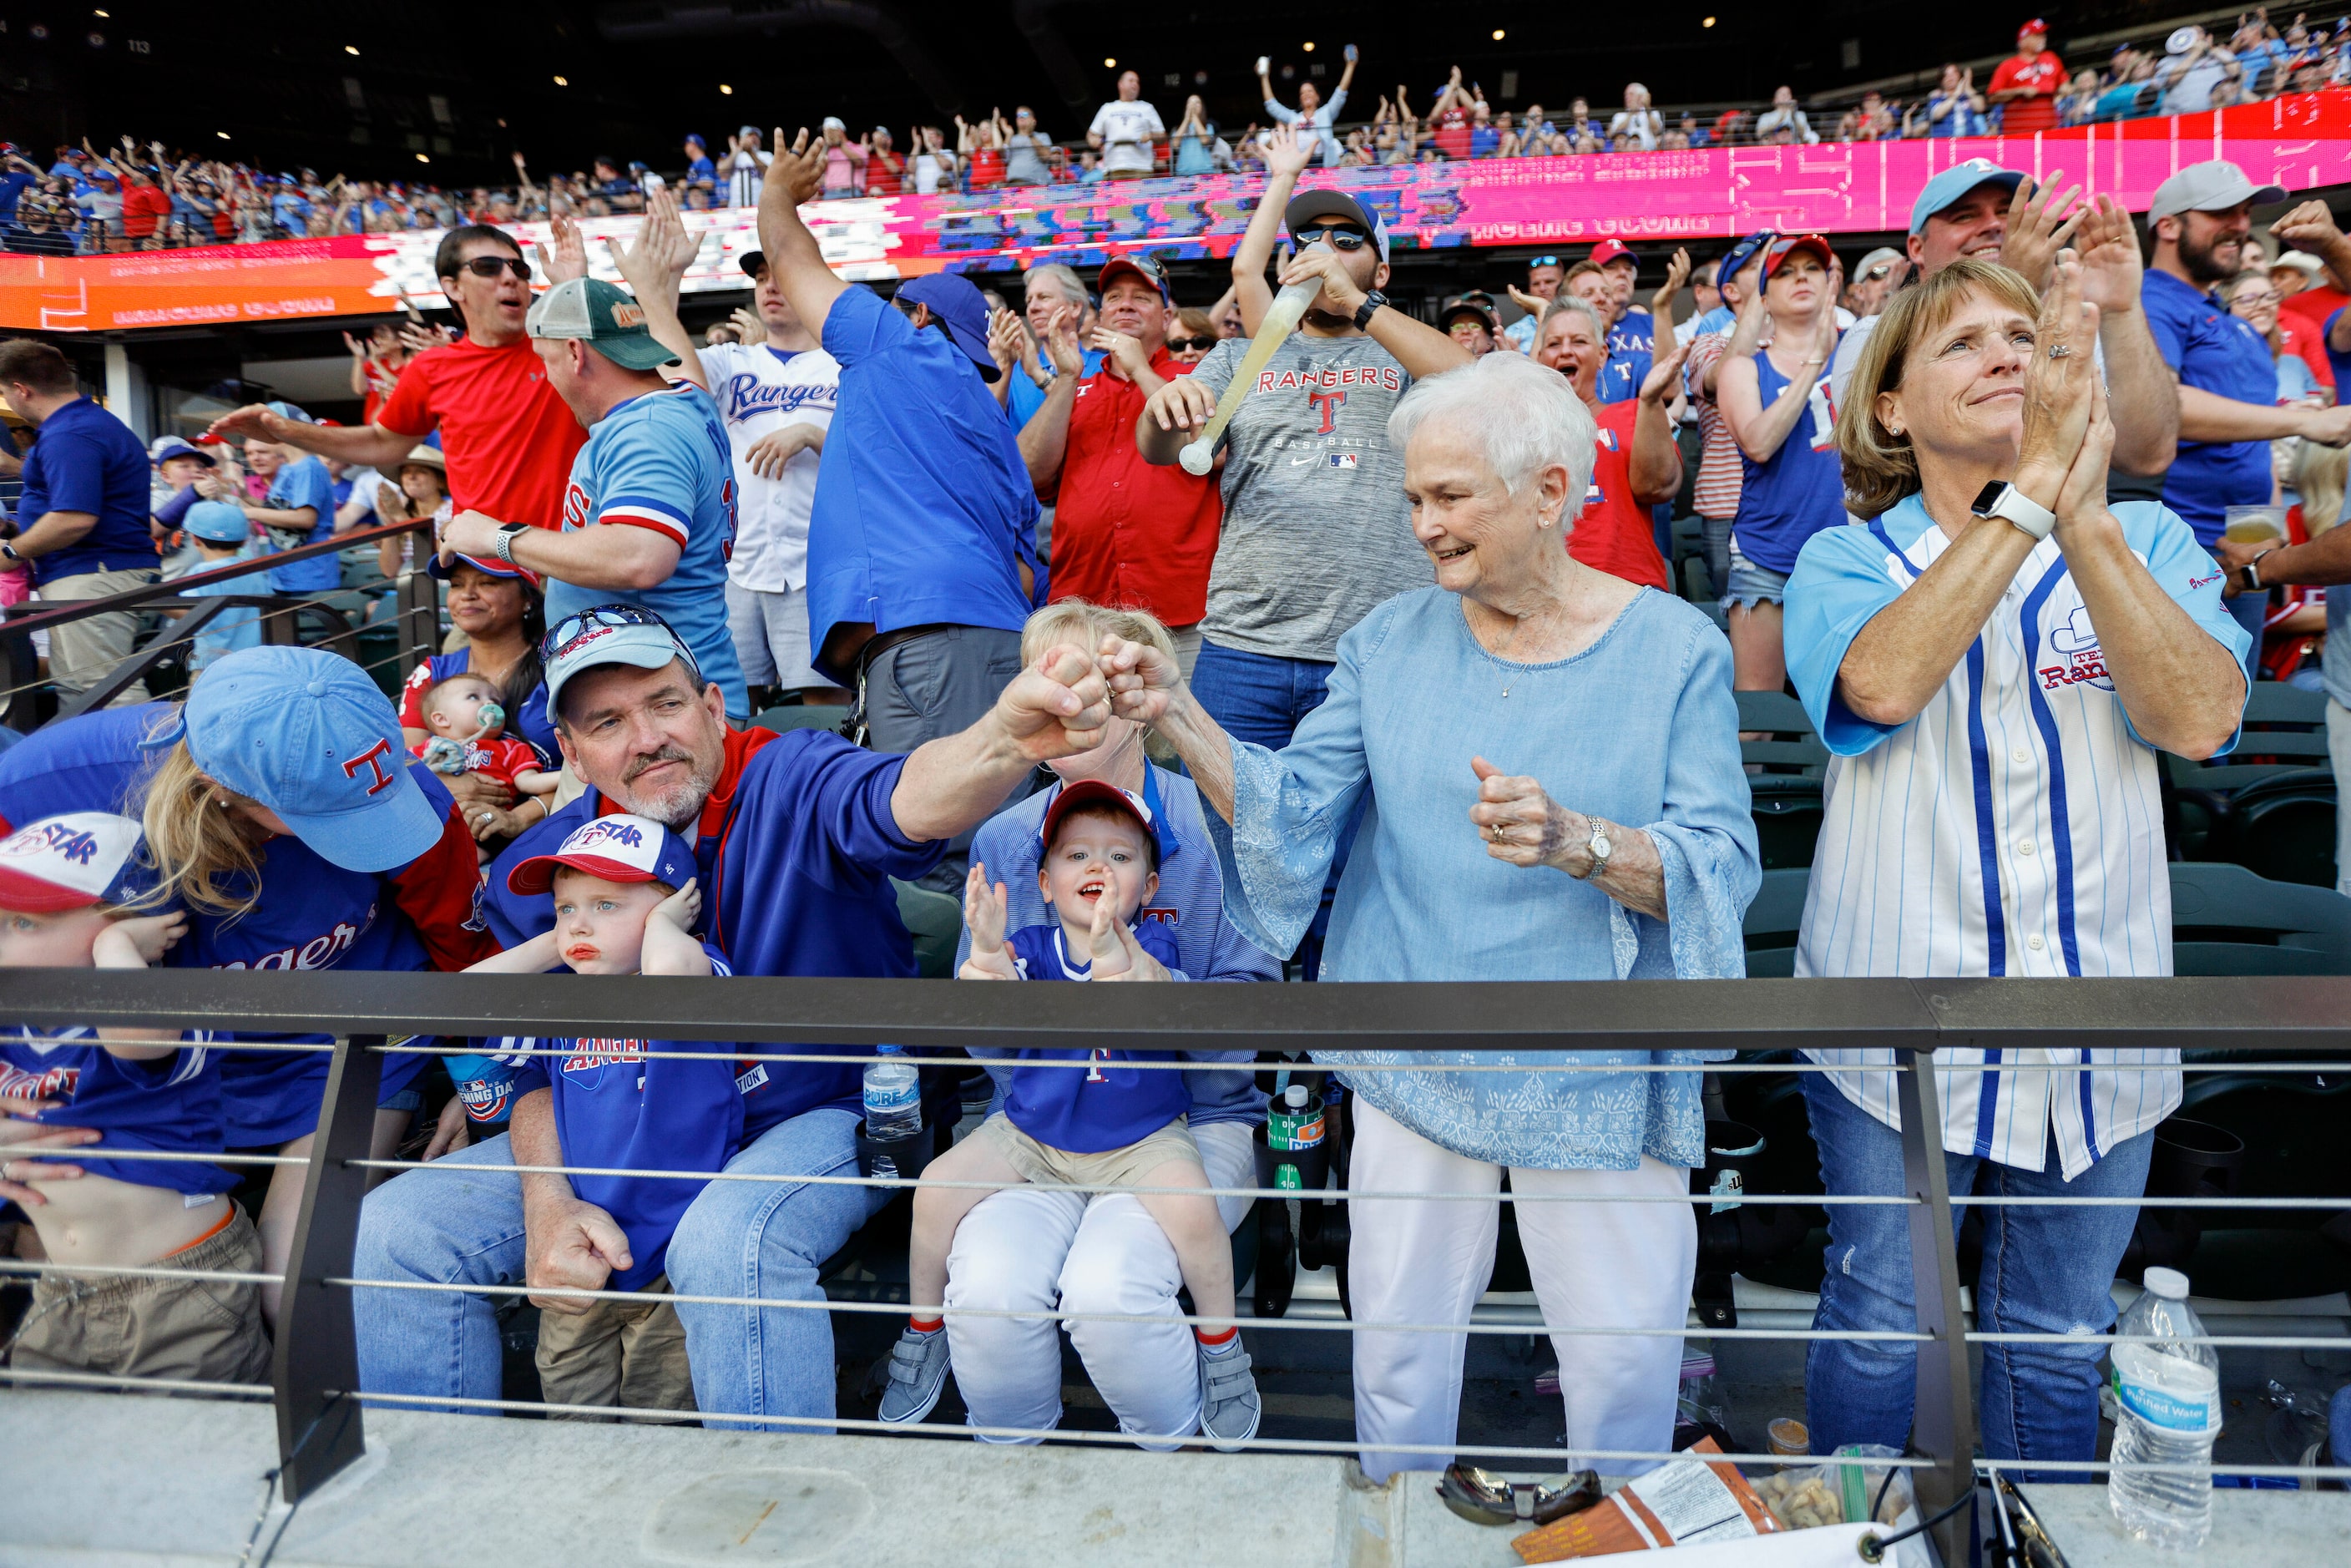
{"points": [[2083, 660]]}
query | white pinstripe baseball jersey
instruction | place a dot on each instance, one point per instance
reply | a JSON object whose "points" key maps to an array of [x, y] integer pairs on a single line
{"points": [[2015, 827]]}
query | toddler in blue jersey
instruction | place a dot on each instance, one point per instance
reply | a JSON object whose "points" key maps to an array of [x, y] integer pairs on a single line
{"points": [[1101, 1125], [626, 902], [68, 891]]}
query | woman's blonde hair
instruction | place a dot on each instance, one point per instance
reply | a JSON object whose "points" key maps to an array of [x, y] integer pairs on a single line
{"points": [[2319, 473], [193, 841], [1084, 623], [1880, 468]]}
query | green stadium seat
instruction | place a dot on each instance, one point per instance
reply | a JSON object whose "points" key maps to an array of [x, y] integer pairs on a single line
{"points": [[935, 922], [813, 715]]}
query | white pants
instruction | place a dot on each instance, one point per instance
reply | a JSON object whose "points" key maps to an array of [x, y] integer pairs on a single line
{"points": [[771, 636], [1031, 1249], [1593, 1265], [2338, 752]]}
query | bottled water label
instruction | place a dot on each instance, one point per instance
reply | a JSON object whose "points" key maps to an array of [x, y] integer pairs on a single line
{"points": [[2167, 1408]]}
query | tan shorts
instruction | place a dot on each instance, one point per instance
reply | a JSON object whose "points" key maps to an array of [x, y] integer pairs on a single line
{"points": [[1110, 1168], [82, 652], [204, 1331], [626, 1353]]}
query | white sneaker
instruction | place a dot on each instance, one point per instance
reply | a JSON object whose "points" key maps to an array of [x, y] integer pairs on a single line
{"points": [[1230, 1404], [918, 1376]]}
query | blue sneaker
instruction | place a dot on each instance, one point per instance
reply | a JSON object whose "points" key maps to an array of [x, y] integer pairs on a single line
{"points": [[918, 1376]]}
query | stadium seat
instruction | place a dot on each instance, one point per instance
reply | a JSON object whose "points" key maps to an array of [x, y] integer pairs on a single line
{"points": [[813, 715], [2281, 828], [2227, 921], [1784, 778], [1772, 921], [2284, 732], [1794, 746], [935, 922]]}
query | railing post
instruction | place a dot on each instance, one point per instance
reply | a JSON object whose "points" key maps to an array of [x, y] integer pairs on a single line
{"points": [[420, 615], [1943, 1423], [316, 1370]]}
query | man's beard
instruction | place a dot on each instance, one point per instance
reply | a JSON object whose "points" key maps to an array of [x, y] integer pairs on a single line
{"points": [[675, 807], [2202, 262], [1327, 320]]}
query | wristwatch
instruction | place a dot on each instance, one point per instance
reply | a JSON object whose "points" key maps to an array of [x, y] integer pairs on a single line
{"points": [[10, 551], [1369, 309], [503, 545], [1601, 850], [2003, 500], [2250, 574]]}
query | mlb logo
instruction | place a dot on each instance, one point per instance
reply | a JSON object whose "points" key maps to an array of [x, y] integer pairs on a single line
{"points": [[1344, 460]]}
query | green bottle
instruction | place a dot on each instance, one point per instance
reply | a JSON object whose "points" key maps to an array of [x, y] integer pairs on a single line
{"points": [[1295, 1122]]}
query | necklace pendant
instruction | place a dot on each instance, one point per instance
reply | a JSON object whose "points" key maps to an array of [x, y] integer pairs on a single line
{"points": [[1505, 694]]}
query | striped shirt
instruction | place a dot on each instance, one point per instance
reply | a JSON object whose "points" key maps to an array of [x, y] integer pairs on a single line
{"points": [[2013, 827], [1719, 470]]}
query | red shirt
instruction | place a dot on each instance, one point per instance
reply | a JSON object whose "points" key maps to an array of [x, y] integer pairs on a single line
{"points": [[1614, 533], [2045, 76], [986, 169], [2314, 305], [1452, 139], [886, 173], [2308, 345], [1126, 532], [501, 759], [509, 438], [143, 207]]}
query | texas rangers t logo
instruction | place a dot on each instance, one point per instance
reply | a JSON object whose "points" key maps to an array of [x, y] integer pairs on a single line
{"points": [[372, 759], [1326, 403]]}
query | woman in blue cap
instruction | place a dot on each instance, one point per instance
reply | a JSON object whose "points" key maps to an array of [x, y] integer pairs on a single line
{"points": [[284, 813]]}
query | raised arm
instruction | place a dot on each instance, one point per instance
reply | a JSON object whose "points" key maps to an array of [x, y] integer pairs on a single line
{"points": [[1053, 708], [1655, 469], [794, 177], [367, 445], [1045, 439], [655, 266], [1284, 159], [2144, 394]]}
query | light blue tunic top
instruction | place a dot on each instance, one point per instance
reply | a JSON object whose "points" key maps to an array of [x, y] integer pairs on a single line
{"points": [[1639, 728]]}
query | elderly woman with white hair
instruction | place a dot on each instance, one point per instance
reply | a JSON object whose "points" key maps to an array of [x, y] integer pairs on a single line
{"points": [[1547, 761]]}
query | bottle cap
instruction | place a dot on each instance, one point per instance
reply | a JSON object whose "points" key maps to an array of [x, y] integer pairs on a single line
{"points": [[2168, 1283], [1295, 1097]]}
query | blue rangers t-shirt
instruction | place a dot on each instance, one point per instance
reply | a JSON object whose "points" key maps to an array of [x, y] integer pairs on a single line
{"points": [[2213, 351], [297, 484], [1631, 345], [1107, 1106], [620, 1105], [661, 460], [89, 461], [171, 1104]]}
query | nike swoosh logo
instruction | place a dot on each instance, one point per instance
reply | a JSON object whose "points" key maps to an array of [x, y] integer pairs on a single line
{"points": [[1296, 461]]}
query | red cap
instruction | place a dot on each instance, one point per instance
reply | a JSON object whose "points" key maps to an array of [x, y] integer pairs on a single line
{"points": [[1780, 250], [1610, 250], [2027, 29], [1099, 792]]}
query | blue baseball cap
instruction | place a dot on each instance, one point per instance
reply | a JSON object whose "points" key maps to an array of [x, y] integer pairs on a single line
{"points": [[610, 635], [1956, 181], [618, 848], [956, 302], [218, 522], [285, 410], [307, 734], [1739, 254], [167, 447]]}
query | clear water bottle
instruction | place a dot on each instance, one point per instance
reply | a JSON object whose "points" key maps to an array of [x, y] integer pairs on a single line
{"points": [[894, 1097], [2167, 1398]]}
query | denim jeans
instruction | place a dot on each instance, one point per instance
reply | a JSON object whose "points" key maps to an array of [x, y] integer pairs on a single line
{"points": [[762, 1239], [2045, 1271], [1262, 700]]}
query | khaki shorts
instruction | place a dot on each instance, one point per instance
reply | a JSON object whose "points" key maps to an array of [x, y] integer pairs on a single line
{"points": [[204, 1331], [1110, 1168], [626, 1353], [83, 653]]}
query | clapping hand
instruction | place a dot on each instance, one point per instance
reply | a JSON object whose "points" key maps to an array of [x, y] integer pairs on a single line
{"points": [[2039, 227], [1665, 376], [2107, 245], [1113, 952], [565, 257], [986, 912], [748, 327], [1678, 273], [2058, 386], [656, 263]]}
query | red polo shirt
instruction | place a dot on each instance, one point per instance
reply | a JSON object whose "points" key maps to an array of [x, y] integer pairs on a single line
{"points": [[509, 438], [1614, 533], [1126, 532]]}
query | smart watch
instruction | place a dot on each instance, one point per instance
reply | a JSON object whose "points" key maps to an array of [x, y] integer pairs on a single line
{"points": [[1601, 850], [1369, 309], [503, 545], [9, 550], [2249, 574], [2003, 500]]}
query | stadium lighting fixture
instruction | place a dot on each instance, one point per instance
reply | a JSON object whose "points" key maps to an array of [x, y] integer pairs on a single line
{"points": [[1109, 64], [1308, 47], [724, 90], [221, 134], [1497, 35], [421, 158], [351, 48], [1707, 23]]}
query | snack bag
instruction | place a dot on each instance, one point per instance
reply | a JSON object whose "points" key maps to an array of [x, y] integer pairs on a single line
{"points": [[1691, 1503]]}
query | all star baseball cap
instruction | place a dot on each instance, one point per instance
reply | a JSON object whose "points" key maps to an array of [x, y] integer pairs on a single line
{"points": [[610, 635], [308, 735], [218, 522], [71, 862], [1956, 181], [2213, 186], [1333, 203], [1082, 792], [603, 317], [618, 848]]}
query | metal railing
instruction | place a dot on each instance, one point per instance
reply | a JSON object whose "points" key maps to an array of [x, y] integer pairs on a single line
{"points": [[315, 1380], [416, 623]]}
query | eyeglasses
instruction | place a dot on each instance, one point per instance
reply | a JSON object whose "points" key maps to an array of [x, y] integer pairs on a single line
{"points": [[1341, 239], [1880, 270], [583, 625], [1185, 345], [1482, 1497], [492, 266], [1545, 261]]}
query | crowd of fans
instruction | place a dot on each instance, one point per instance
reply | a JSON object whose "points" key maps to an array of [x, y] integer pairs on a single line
{"points": [[1397, 623], [88, 200]]}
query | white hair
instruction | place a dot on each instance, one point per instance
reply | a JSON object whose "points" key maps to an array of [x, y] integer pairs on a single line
{"points": [[1565, 304], [1527, 418], [1063, 280]]}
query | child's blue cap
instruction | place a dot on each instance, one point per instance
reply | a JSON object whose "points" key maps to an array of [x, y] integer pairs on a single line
{"points": [[218, 522], [306, 734]]}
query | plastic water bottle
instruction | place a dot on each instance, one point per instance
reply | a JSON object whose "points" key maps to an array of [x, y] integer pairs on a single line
{"points": [[2167, 1394], [893, 1098]]}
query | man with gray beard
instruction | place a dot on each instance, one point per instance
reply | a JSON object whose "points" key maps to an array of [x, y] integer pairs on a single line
{"points": [[797, 837]]}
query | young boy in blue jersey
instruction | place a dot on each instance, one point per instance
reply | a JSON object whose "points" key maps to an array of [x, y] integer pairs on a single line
{"points": [[1108, 1126], [67, 888], [223, 535], [625, 904]]}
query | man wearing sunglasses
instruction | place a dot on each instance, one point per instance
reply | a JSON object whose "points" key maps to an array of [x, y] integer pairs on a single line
{"points": [[508, 437], [1124, 532]]}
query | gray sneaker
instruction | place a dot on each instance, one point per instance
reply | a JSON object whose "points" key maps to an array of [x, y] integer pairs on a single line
{"points": [[918, 1375], [1230, 1405]]}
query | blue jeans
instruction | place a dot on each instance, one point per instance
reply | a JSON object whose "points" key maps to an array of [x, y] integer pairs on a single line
{"points": [[2045, 1271], [762, 1239], [1262, 700]]}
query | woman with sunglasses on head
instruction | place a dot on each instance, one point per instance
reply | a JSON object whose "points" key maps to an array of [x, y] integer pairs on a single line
{"points": [[508, 437]]}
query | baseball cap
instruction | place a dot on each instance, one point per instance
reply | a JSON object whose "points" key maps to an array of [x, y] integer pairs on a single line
{"points": [[167, 447], [1884, 255], [609, 634], [71, 862], [752, 262], [618, 848], [834, 122], [955, 301], [2026, 29], [1476, 302], [603, 317], [1739, 254], [1781, 249], [1330, 204], [488, 566], [1956, 181], [307, 734], [285, 410], [1145, 267], [1610, 250], [1081, 792], [218, 522], [2213, 186]]}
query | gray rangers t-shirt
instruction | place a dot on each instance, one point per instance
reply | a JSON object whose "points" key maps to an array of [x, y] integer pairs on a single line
{"points": [[1316, 529]]}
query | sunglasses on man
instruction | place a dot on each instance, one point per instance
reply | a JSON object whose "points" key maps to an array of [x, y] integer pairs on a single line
{"points": [[491, 266], [1341, 239], [584, 626]]}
